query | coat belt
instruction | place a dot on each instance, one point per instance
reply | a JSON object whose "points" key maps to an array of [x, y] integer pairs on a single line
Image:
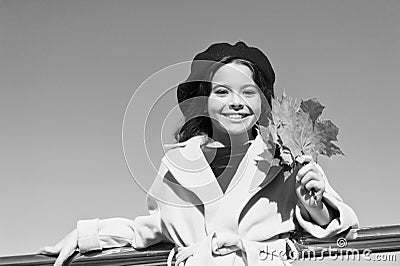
{"points": [[254, 252]]}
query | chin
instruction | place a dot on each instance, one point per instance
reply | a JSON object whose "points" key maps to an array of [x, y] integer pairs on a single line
{"points": [[233, 129], [238, 131]]}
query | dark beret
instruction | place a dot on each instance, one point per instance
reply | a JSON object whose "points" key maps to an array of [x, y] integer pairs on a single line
{"points": [[203, 61]]}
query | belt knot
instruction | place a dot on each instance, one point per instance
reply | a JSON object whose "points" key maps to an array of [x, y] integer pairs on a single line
{"points": [[226, 243]]}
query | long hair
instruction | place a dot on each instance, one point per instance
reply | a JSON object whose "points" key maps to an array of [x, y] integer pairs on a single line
{"points": [[196, 120]]}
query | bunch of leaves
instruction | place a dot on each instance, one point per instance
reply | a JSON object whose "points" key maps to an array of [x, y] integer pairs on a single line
{"points": [[299, 129]]}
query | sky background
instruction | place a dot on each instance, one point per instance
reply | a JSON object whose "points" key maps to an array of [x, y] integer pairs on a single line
{"points": [[69, 68]]}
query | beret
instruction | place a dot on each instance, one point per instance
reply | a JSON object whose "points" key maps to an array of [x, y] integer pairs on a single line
{"points": [[203, 61]]}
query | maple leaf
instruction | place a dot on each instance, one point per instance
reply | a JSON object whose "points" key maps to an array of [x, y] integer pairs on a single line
{"points": [[313, 107], [299, 128], [284, 110], [328, 132]]}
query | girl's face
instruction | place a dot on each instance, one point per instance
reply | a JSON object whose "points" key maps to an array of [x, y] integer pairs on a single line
{"points": [[234, 104]]}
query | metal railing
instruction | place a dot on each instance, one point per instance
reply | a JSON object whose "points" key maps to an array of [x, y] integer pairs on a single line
{"points": [[372, 239]]}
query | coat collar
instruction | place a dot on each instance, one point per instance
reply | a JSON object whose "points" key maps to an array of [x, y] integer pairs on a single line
{"points": [[190, 168]]}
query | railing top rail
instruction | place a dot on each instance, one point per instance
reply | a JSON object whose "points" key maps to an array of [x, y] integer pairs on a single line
{"points": [[376, 239]]}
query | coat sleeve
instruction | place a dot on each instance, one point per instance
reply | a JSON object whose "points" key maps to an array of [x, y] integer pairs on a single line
{"points": [[97, 234], [345, 218], [141, 232]]}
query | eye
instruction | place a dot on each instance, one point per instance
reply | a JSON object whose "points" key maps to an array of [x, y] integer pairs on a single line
{"points": [[249, 92], [220, 91]]}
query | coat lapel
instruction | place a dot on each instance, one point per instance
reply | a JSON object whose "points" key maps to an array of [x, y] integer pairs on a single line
{"points": [[191, 170], [264, 167]]}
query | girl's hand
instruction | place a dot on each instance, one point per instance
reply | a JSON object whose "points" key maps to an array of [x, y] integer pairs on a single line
{"points": [[310, 183], [64, 249]]}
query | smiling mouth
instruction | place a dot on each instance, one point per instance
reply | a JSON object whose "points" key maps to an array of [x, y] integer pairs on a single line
{"points": [[236, 116]]}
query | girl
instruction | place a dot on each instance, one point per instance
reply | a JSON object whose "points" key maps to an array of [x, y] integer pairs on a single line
{"points": [[222, 194]]}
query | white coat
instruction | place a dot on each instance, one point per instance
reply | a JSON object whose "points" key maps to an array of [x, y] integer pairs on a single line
{"points": [[187, 207]]}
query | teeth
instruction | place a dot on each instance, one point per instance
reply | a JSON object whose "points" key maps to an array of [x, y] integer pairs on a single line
{"points": [[235, 116]]}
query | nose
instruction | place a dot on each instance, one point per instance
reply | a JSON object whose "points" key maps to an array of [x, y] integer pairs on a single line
{"points": [[236, 107], [236, 102]]}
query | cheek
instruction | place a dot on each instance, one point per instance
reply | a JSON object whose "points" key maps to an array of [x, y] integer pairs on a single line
{"points": [[255, 105], [214, 105]]}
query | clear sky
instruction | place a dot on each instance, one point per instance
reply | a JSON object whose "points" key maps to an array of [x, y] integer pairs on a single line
{"points": [[69, 68]]}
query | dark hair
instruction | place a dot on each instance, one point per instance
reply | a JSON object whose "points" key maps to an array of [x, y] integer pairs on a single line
{"points": [[196, 121]]}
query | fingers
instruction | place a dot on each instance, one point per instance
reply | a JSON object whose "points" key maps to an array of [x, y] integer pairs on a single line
{"points": [[309, 167], [225, 243], [314, 185], [304, 159], [49, 250], [214, 246], [68, 248], [182, 255], [226, 250], [65, 253], [310, 175], [312, 181]]}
